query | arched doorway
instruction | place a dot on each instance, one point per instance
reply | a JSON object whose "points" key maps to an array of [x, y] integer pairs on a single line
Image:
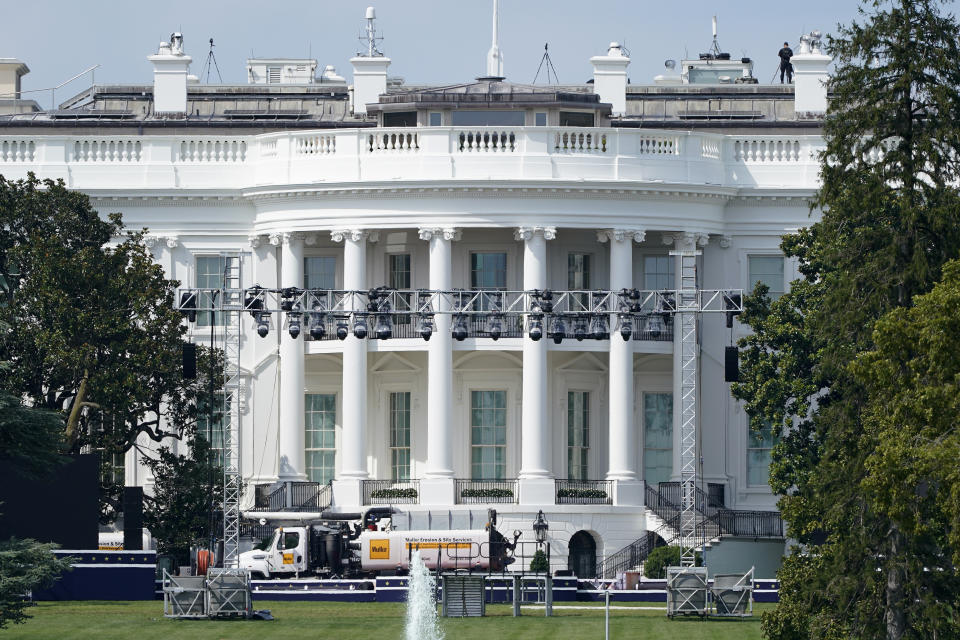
{"points": [[582, 560]]}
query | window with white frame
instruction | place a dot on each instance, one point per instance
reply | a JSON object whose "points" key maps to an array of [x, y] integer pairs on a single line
{"points": [[320, 423], [488, 270], [320, 272], [578, 434], [759, 447], [488, 435], [400, 436], [769, 271], [211, 272], [657, 437], [658, 272]]}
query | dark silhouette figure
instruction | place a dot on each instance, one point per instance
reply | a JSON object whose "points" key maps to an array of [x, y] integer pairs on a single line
{"points": [[785, 67]]}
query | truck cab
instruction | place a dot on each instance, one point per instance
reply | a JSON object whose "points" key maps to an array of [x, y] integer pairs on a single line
{"points": [[285, 554]]}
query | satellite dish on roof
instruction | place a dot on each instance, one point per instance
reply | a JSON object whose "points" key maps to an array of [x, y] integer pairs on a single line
{"points": [[669, 64]]}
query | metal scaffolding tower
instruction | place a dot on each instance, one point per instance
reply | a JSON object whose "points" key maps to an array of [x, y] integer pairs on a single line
{"points": [[231, 306], [688, 307]]}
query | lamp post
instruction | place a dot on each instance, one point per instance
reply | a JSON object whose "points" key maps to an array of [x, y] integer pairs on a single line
{"points": [[540, 527]]}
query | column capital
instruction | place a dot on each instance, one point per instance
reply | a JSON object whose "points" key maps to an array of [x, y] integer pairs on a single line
{"points": [[528, 233], [725, 241], [275, 239], [619, 235], [353, 235], [172, 242], [291, 238], [255, 241], [447, 233], [150, 241], [686, 238]]}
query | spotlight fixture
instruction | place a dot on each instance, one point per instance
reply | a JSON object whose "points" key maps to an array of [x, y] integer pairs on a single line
{"points": [[536, 327], [426, 326], [359, 326], [599, 329], [655, 325], [253, 301], [384, 330], [559, 329], [288, 297], [317, 328], [263, 323], [188, 305], [495, 326], [626, 326], [342, 329], [580, 328], [460, 328], [293, 324]]}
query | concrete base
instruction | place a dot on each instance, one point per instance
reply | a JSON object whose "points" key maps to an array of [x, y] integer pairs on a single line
{"points": [[436, 491], [539, 491], [628, 493], [347, 494]]}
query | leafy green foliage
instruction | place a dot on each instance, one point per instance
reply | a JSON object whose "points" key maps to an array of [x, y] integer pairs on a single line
{"points": [[30, 439], [890, 221], [25, 565], [92, 333], [539, 562], [187, 488]]}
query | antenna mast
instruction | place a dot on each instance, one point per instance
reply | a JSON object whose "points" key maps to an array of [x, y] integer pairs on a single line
{"points": [[545, 59], [494, 56], [716, 46], [368, 35], [210, 64]]}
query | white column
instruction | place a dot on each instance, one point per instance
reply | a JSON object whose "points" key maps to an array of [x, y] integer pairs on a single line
{"points": [[535, 432], [622, 432], [264, 428], [291, 441], [353, 461], [440, 360]]}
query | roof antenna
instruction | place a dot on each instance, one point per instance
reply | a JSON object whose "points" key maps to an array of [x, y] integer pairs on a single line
{"points": [[716, 47], [546, 60], [368, 35], [494, 56], [211, 63]]}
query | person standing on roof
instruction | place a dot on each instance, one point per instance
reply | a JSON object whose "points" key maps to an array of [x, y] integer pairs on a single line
{"points": [[785, 67]]}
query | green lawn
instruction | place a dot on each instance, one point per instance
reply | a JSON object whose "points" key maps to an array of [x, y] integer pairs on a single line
{"points": [[299, 620]]}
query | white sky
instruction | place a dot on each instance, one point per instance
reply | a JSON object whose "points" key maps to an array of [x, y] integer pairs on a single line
{"points": [[429, 41]]}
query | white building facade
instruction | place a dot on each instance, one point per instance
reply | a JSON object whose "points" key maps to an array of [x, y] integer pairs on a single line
{"points": [[515, 198]]}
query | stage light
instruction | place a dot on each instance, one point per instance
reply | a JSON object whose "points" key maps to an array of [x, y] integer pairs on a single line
{"points": [[288, 295], [599, 329], [359, 326], [559, 329], [536, 327], [494, 326], [342, 329], [580, 328], [460, 328], [263, 323], [426, 326], [293, 324], [317, 328], [626, 326], [384, 330]]}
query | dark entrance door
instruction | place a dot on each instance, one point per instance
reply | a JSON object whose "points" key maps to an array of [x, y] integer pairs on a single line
{"points": [[583, 555]]}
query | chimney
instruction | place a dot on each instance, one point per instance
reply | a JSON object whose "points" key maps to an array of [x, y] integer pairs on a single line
{"points": [[369, 71], [11, 70], [810, 76], [610, 77], [170, 66]]}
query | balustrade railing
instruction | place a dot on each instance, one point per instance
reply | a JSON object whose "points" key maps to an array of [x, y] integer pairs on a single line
{"points": [[766, 150], [581, 141], [389, 492], [315, 145], [310, 496], [88, 150], [584, 491], [486, 491], [750, 524], [17, 150], [487, 141], [392, 141], [213, 151]]}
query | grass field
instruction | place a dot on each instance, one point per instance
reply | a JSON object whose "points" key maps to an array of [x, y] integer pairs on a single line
{"points": [[299, 620]]}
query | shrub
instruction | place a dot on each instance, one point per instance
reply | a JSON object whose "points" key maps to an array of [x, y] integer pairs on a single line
{"points": [[655, 566], [539, 563], [487, 493], [592, 494], [394, 492]]}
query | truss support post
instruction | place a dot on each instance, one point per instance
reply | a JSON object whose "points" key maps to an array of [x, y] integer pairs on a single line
{"points": [[231, 305]]}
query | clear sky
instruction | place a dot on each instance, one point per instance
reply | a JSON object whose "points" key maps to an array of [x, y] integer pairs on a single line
{"points": [[429, 41]]}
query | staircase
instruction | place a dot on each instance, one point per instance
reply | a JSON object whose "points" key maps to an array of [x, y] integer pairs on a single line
{"points": [[663, 517]]}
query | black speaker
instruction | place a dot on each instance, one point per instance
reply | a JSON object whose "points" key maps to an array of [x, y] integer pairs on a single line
{"points": [[189, 361], [731, 364], [132, 518]]}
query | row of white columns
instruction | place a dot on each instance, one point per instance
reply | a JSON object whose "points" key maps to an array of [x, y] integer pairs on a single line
{"points": [[535, 429]]}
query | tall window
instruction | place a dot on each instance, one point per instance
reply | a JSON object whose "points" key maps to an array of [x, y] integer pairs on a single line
{"points": [[488, 435], [320, 421], [657, 437], [210, 425], [210, 275], [320, 272], [112, 468], [658, 272], [398, 277], [769, 271], [578, 434], [488, 271], [578, 275], [400, 436], [759, 447]]}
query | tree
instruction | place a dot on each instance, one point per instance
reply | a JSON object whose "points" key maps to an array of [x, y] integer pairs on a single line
{"points": [[890, 221], [188, 490], [539, 562], [93, 331]]}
